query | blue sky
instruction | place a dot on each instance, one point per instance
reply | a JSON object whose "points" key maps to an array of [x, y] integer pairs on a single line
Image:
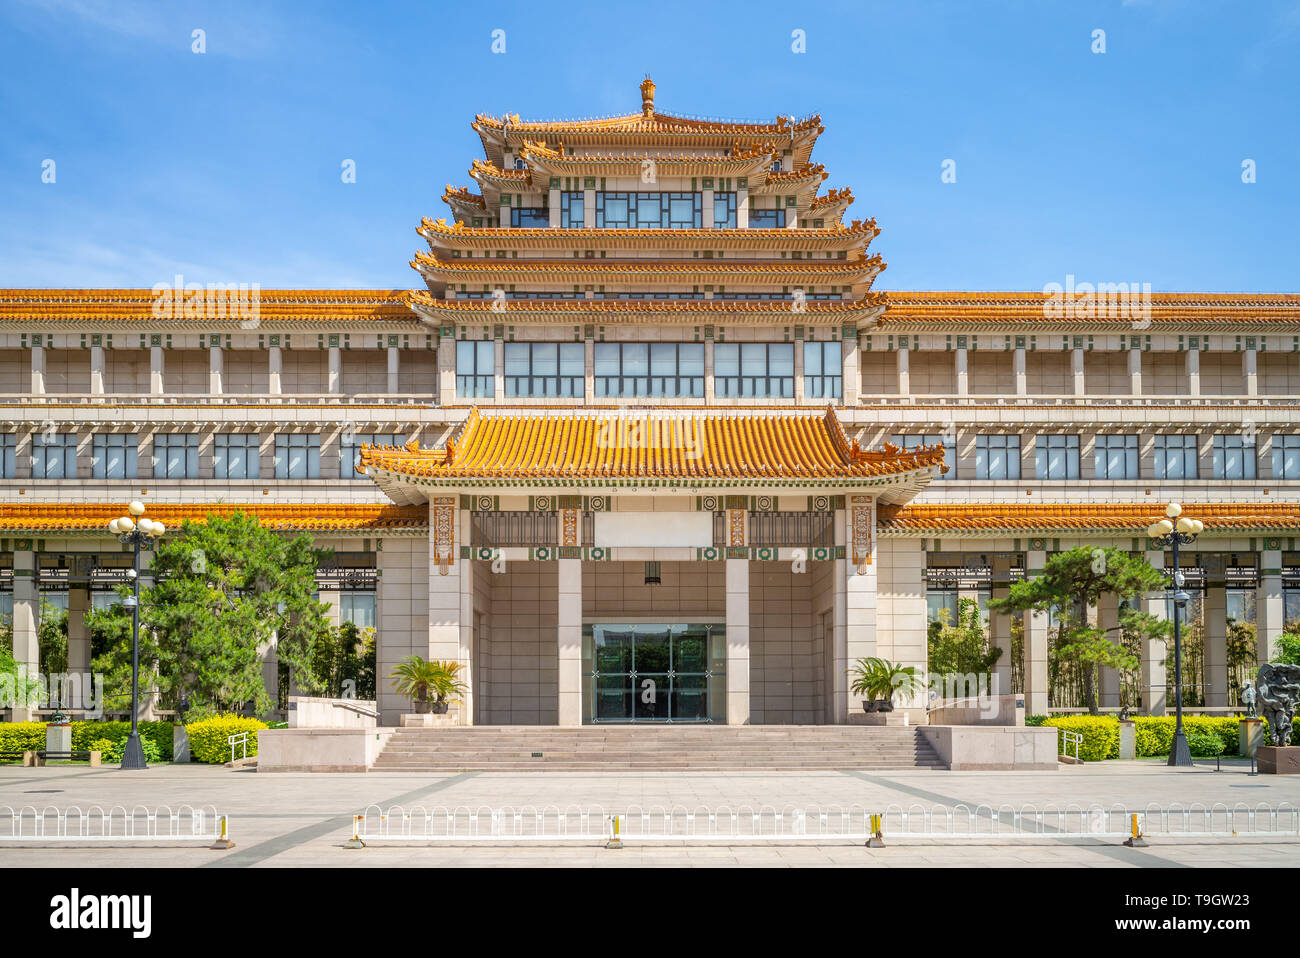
{"points": [[225, 166]]}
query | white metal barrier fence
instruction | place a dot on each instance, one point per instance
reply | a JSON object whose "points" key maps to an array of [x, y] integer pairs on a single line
{"points": [[185, 823], [239, 738], [746, 823]]}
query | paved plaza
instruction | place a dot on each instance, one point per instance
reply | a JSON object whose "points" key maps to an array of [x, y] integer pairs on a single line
{"points": [[288, 820]]}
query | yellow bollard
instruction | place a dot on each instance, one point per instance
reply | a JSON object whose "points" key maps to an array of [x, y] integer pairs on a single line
{"points": [[877, 839], [1135, 839], [614, 841], [224, 841], [355, 841]]}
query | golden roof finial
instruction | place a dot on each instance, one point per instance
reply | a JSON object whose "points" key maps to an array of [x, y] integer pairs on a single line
{"points": [[647, 96]]}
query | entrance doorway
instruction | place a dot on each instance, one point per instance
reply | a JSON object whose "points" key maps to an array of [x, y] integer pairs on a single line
{"points": [[654, 672]]}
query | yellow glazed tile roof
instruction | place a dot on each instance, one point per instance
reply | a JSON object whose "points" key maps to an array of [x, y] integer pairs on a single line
{"points": [[956, 519], [53, 518], [993, 309], [649, 445], [274, 306]]}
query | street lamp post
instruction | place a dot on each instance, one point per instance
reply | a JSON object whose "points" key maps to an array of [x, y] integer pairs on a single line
{"points": [[1173, 531], [135, 530]]}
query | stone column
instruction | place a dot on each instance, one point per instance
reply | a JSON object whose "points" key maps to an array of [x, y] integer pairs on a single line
{"points": [[216, 370], [275, 363], [1249, 372], [569, 588], [710, 393], [706, 209], [38, 370], [1193, 372], [78, 647], [334, 599], [904, 370], [799, 348], [1035, 645], [269, 655], [445, 571], [742, 208], [1076, 372], [860, 592], [1018, 371], [401, 616], [737, 641], [1135, 372], [1154, 652], [1108, 621], [499, 370], [335, 380], [27, 647], [157, 364], [447, 371], [1216, 645], [1269, 609], [97, 370], [394, 364], [589, 209], [852, 369], [589, 371], [959, 365], [553, 208], [469, 569], [1000, 638]]}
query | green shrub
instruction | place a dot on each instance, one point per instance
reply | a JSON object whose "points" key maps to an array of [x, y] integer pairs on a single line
{"points": [[155, 734], [208, 737], [1204, 744], [113, 749], [1034, 721]]}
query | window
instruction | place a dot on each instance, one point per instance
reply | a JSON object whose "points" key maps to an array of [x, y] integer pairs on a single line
{"points": [[475, 369], [1175, 457], [997, 456], [545, 369], [350, 444], [766, 219], [113, 456], [530, 217], [1056, 457], [54, 456], [571, 209], [357, 608], [949, 443], [297, 456], [1115, 457], [235, 455], [724, 211], [175, 456], [750, 370], [941, 606], [1286, 457], [1234, 457], [823, 370], [8, 447], [666, 370], [676, 211]]}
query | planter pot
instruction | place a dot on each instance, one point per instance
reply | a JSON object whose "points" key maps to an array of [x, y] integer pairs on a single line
{"points": [[422, 706], [868, 705], [438, 708], [877, 705]]}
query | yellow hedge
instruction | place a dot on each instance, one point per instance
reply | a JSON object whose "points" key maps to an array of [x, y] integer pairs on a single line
{"points": [[209, 737]]}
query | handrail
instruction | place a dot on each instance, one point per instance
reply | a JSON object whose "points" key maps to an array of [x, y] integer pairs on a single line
{"points": [[359, 709], [239, 738], [1071, 738]]}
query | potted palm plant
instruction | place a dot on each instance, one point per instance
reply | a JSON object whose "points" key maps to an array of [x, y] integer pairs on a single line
{"points": [[430, 685], [878, 680]]}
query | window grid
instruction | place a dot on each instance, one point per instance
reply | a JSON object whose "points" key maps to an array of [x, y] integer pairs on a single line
{"points": [[545, 370], [1286, 457], [55, 456], [667, 370], [236, 455], [1115, 457], [297, 456], [8, 455], [1056, 457], [997, 456], [1234, 457], [724, 211], [571, 211], [1175, 457], [766, 219], [754, 370], [649, 210], [175, 455], [530, 217], [476, 369], [823, 371]]}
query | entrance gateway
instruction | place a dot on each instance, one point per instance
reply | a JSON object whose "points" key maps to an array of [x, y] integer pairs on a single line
{"points": [[656, 672]]}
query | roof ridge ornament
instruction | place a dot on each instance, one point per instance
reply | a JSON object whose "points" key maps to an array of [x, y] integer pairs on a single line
{"points": [[647, 97]]}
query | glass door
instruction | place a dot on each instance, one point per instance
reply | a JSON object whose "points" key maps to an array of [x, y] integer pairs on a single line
{"points": [[652, 672]]}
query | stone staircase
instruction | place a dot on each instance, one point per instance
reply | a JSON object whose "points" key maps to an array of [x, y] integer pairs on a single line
{"points": [[656, 748]]}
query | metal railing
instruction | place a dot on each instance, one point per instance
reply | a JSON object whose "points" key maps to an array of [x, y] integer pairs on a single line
{"points": [[852, 823], [116, 823], [1069, 738], [239, 738]]}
